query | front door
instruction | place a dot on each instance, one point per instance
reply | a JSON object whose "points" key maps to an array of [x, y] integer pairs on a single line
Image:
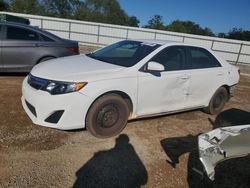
{"points": [[166, 91]]}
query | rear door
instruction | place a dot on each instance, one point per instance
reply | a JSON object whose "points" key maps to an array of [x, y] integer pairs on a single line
{"points": [[20, 48], [207, 75]]}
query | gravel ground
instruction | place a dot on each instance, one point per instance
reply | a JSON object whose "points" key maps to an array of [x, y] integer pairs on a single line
{"points": [[153, 152]]}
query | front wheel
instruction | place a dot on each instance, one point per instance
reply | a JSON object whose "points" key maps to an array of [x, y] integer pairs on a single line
{"points": [[217, 102], [107, 116]]}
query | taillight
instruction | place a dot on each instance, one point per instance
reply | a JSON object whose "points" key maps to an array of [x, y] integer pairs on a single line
{"points": [[74, 50]]}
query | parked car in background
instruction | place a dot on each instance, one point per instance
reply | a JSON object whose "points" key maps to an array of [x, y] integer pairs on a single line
{"points": [[12, 18], [127, 80], [23, 46]]}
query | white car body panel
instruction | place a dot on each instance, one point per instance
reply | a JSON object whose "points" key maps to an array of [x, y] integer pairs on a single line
{"points": [[99, 88], [169, 95], [212, 78], [150, 94], [221, 144], [75, 68]]}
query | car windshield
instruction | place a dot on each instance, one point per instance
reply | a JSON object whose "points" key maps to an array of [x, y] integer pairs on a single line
{"points": [[125, 53]]}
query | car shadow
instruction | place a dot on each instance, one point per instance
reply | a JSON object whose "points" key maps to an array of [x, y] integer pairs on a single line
{"points": [[230, 173], [231, 117], [117, 167]]}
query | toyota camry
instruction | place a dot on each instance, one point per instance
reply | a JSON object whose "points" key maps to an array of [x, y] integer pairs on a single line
{"points": [[126, 80]]}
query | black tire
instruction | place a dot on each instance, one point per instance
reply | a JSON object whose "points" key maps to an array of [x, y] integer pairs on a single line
{"points": [[107, 116], [217, 102]]}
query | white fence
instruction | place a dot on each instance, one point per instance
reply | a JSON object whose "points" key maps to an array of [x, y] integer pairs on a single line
{"points": [[234, 51]]}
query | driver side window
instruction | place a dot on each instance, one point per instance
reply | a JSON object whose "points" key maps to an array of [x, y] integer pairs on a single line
{"points": [[172, 58]]}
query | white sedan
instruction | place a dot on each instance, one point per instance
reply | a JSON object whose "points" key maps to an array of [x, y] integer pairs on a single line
{"points": [[127, 80]]}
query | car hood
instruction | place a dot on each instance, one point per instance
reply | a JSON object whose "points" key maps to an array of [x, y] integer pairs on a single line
{"points": [[74, 68]]}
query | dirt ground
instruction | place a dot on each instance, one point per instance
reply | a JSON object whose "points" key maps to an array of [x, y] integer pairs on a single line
{"points": [[154, 152]]}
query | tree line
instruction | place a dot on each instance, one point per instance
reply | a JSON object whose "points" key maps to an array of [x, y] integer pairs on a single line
{"points": [[110, 11], [156, 22]]}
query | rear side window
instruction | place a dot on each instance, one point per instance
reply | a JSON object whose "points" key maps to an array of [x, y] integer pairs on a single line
{"points": [[16, 33], [172, 58], [200, 58]]}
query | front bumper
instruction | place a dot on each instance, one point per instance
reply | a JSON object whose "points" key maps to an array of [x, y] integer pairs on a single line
{"points": [[42, 107]]}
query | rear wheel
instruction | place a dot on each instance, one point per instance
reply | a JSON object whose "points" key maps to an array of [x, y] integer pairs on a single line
{"points": [[107, 116], [217, 102]]}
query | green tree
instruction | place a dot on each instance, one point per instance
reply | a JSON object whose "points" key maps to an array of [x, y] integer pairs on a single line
{"points": [[91, 10], [3, 5], [80, 11], [104, 11], [133, 21], [222, 35], [188, 27], [177, 26], [60, 8], [26, 6], [208, 32], [239, 34], [156, 22], [113, 12]]}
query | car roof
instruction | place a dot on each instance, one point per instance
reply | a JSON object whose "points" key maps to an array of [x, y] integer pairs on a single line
{"points": [[17, 24], [153, 41], [167, 42], [35, 28]]}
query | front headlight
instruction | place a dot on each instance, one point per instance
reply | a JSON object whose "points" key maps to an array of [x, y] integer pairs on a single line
{"points": [[56, 88]]}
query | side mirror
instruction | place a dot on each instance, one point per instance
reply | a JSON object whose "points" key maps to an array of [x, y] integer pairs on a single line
{"points": [[154, 66]]}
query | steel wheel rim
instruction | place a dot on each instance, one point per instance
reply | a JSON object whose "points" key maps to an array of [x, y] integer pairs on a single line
{"points": [[108, 116], [218, 100]]}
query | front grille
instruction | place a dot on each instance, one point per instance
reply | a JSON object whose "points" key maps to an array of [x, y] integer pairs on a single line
{"points": [[31, 108], [55, 117], [37, 83]]}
